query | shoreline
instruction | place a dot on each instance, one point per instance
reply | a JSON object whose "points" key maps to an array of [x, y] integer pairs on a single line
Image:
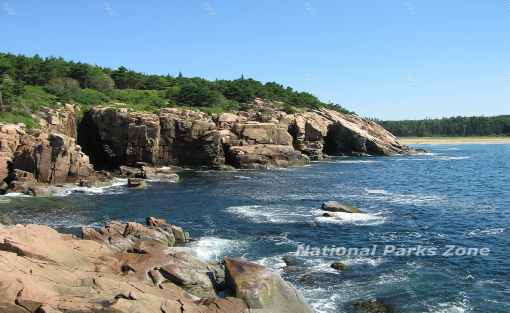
{"points": [[455, 140]]}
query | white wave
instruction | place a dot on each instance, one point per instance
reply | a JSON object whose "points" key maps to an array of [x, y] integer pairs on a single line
{"points": [[275, 263], [14, 195], [242, 177], [113, 187], [321, 300], [362, 260], [376, 191], [450, 158], [383, 195], [394, 278], [427, 153], [461, 306], [450, 308], [214, 248], [485, 232], [351, 218], [267, 214], [357, 161]]}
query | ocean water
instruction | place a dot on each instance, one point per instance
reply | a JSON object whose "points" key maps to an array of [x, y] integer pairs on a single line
{"points": [[456, 195]]}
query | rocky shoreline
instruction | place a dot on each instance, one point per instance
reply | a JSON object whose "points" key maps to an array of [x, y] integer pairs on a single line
{"points": [[150, 146], [130, 267]]}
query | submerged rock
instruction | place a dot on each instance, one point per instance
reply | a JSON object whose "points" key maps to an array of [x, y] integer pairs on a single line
{"points": [[371, 306], [5, 220], [136, 183], [334, 206], [339, 266]]}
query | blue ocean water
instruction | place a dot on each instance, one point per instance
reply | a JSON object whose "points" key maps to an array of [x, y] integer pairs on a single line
{"points": [[456, 195]]}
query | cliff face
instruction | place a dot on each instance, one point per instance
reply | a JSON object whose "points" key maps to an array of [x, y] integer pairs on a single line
{"points": [[261, 137], [47, 155], [258, 138]]}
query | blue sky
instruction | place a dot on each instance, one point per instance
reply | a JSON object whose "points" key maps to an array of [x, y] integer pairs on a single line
{"points": [[381, 58]]}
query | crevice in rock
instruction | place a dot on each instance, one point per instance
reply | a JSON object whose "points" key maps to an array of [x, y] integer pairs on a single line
{"points": [[99, 151], [342, 141]]}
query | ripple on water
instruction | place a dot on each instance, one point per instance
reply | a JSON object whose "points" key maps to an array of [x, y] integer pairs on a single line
{"points": [[401, 198], [351, 218], [485, 232], [269, 214]]}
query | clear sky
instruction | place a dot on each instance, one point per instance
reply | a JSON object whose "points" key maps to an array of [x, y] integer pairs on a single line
{"points": [[390, 59]]}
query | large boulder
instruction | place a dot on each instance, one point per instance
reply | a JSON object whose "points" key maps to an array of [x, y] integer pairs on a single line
{"points": [[263, 290], [334, 206]]}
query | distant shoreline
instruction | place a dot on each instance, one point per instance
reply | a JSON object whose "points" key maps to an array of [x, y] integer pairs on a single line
{"points": [[456, 140]]}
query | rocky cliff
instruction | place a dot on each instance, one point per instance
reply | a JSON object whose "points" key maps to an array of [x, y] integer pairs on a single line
{"points": [[49, 154], [130, 267], [260, 137]]}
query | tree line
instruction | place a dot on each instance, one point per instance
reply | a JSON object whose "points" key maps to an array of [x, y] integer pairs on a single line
{"points": [[24, 78], [452, 126]]}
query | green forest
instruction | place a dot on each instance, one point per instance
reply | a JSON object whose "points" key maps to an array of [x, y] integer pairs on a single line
{"points": [[28, 83], [453, 126]]}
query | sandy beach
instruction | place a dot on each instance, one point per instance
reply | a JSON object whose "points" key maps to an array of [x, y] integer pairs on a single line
{"points": [[454, 140]]}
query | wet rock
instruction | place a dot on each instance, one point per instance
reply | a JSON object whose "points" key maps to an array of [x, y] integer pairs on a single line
{"points": [[263, 290], [5, 220], [290, 260], [334, 206], [39, 190], [136, 183], [162, 174], [4, 187], [371, 306], [339, 266], [134, 172]]}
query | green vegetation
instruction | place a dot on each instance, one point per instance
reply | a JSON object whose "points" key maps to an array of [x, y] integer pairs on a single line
{"points": [[454, 126], [27, 83]]}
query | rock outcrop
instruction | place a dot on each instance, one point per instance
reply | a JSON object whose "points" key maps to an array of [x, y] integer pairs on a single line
{"points": [[128, 267], [261, 137], [50, 154], [324, 131], [334, 206]]}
